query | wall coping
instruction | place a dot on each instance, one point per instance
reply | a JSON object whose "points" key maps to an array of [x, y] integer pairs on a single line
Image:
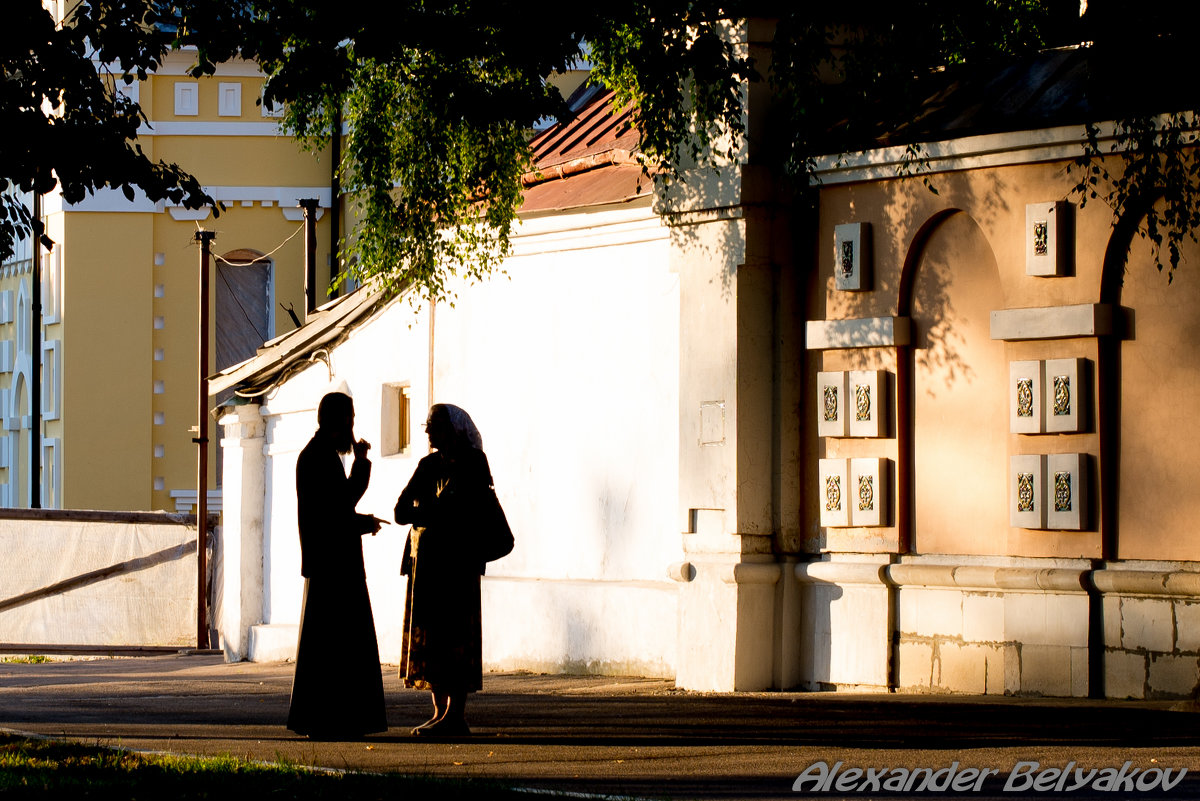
{"points": [[1168, 583], [99, 516], [992, 578]]}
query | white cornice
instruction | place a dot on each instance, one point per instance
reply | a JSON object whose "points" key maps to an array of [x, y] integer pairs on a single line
{"points": [[178, 63], [104, 199], [968, 152], [596, 226], [286, 198], [211, 129]]}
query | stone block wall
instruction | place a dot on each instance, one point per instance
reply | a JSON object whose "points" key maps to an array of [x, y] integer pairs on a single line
{"points": [[990, 641], [1151, 630], [1000, 626]]}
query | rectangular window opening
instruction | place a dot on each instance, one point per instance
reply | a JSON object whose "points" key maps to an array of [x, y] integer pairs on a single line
{"points": [[396, 426]]}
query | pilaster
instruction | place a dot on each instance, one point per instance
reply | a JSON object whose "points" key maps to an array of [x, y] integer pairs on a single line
{"points": [[244, 462]]}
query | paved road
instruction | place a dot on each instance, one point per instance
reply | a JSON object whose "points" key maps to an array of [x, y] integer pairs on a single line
{"points": [[610, 736]]}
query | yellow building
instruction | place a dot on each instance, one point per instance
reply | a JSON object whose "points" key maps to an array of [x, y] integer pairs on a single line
{"points": [[119, 333]]}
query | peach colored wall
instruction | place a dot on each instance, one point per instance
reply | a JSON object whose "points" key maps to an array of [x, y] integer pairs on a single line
{"points": [[966, 245]]}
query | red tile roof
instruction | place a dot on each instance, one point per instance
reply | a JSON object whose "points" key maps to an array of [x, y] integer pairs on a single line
{"points": [[591, 159], [597, 128]]}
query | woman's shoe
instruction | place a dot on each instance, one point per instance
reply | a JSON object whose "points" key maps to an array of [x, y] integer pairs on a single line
{"points": [[446, 727], [418, 730]]}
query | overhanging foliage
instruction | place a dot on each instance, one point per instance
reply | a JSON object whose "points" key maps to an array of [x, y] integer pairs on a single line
{"points": [[437, 99]]}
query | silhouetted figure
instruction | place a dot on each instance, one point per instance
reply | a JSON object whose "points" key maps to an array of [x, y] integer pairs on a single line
{"points": [[338, 689], [441, 650]]}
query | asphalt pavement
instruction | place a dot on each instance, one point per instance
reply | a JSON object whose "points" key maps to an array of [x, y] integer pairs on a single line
{"points": [[634, 737]]}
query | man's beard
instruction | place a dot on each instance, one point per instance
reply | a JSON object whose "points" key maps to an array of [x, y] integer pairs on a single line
{"points": [[343, 441]]}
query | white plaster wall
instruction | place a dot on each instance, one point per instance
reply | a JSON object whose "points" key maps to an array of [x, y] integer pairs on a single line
{"points": [[569, 365]]}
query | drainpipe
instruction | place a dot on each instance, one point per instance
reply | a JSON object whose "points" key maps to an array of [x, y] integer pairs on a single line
{"points": [[35, 377], [310, 254], [335, 195], [432, 321]]}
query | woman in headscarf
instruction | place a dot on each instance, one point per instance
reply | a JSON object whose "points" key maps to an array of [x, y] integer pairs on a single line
{"points": [[441, 650]]}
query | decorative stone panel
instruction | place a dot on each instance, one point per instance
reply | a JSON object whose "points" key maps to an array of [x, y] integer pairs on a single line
{"points": [[832, 414], [1048, 245], [1027, 491], [852, 256]]}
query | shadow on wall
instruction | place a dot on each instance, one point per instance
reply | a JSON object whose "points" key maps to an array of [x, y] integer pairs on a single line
{"points": [[816, 642], [691, 205], [907, 282]]}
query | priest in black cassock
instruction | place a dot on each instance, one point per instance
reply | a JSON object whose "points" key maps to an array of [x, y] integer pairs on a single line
{"points": [[338, 689]]}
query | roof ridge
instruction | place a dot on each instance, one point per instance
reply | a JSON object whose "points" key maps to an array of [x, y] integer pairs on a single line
{"points": [[593, 161]]}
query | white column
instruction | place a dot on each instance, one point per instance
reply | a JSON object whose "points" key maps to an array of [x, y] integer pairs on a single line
{"points": [[242, 449]]}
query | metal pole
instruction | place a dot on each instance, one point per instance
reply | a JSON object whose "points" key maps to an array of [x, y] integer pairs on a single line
{"points": [[310, 254], [335, 192], [35, 355], [205, 239]]}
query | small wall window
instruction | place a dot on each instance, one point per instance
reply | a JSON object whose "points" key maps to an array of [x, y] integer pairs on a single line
{"points": [[395, 429], [51, 380], [51, 284], [269, 109], [187, 98], [131, 90], [229, 103], [51, 474]]}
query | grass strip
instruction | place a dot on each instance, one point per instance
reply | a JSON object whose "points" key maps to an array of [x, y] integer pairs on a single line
{"points": [[51, 769]]}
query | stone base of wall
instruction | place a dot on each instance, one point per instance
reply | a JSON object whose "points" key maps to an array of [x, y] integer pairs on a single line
{"points": [[1001, 626], [625, 628], [1151, 615], [275, 642]]}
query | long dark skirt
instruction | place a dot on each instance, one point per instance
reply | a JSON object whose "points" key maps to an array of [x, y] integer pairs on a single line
{"points": [[442, 648], [338, 688]]}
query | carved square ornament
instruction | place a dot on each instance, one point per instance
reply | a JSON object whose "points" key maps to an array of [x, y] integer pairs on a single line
{"points": [[1048, 238], [870, 414], [1027, 491], [1066, 395], [869, 477], [1025, 397], [833, 418], [852, 257], [1067, 490], [833, 492]]}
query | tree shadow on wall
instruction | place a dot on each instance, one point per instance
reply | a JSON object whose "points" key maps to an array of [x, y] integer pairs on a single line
{"points": [[912, 279], [702, 210]]}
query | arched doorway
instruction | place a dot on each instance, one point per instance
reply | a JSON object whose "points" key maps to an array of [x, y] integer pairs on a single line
{"points": [[244, 318]]}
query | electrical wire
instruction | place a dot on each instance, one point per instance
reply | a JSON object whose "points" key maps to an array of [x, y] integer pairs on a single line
{"points": [[262, 257]]}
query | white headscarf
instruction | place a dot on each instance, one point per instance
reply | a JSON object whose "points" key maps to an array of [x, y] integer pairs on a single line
{"points": [[464, 427]]}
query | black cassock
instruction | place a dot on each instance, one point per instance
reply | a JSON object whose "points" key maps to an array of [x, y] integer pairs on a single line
{"points": [[338, 688]]}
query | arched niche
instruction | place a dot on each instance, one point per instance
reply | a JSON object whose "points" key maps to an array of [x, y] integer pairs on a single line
{"points": [[1154, 387], [954, 461]]}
